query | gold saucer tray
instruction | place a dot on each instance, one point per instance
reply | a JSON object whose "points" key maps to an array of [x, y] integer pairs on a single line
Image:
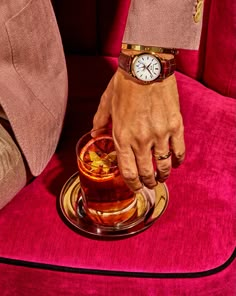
{"points": [[71, 209]]}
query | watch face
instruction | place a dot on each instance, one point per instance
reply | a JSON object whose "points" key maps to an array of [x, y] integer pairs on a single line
{"points": [[146, 67]]}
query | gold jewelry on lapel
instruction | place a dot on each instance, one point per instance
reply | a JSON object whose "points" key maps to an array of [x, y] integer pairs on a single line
{"points": [[198, 11]]}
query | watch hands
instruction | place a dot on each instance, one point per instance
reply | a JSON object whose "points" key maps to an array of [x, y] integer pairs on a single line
{"points": [[149, 71], [144, 67]]}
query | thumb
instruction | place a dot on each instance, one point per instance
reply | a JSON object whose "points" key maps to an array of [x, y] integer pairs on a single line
{"points": [[102, 116]]}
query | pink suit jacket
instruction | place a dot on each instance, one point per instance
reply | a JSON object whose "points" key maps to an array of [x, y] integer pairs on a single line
{"points": [[33, 75], [165, 23]]}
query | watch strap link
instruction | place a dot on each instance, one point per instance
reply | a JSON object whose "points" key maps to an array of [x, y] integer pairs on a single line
{"points": [[124, 62], [168, 66]]}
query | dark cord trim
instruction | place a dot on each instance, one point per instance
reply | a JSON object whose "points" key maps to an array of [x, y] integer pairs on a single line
{"points": [[134, 274]]}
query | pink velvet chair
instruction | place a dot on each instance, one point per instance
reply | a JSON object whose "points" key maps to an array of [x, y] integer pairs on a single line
{"points": [[190, 249]]}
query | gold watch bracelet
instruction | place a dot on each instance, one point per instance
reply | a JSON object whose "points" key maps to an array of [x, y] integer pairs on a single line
{"points": [[147, 48]]}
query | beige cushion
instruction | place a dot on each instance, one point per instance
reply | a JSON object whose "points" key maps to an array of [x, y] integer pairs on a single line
{"points": [[12, 169]]}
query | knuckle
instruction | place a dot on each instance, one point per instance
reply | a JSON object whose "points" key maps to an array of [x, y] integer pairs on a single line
{"points": [[161, 132], [180, 156], [143, 137], [146, 173], [164, 168], [165, 171], [130, 176], [164, 174], [148, 180], [150, 185], [176, 124], [147, 177], [162, 178]]}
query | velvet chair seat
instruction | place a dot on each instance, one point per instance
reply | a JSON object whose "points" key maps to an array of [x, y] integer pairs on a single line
{"points": [[188, 251]]}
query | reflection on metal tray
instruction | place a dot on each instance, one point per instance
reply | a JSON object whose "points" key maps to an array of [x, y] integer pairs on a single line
{"points": [[71, 207]]}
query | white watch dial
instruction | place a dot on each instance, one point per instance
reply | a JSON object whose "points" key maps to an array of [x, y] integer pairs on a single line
{"points": [[146, 67]]}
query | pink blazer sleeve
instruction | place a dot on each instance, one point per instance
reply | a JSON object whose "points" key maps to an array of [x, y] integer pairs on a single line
{"points": [[165, 23]]}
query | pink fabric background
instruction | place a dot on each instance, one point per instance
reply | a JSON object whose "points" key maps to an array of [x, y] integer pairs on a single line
{"points": [[220, 63]]}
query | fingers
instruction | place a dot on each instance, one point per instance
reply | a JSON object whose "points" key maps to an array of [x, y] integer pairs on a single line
{"points": [[162, 157], [169, 152], [102, 116], [145, 167], [128, 168], [137, 169], [178, 148], [136, 165]]}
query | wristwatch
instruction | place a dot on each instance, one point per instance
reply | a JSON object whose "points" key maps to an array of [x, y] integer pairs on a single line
{"points": [[147, 67]]}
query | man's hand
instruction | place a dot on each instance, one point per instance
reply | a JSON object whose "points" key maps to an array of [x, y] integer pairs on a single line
{"points": [[146, 123]]}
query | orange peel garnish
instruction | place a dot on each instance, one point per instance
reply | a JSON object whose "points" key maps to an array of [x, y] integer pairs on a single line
{"points": [[105, 163], [99, 157]]}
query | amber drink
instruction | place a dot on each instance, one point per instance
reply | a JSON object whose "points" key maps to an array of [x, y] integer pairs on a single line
{"points": [[106, 198]]}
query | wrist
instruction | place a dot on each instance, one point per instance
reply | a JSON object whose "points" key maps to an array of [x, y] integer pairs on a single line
{"points": [[127, 77]]}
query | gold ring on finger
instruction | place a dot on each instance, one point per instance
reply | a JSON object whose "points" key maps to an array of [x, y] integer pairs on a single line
{"points": [[162, 157]]}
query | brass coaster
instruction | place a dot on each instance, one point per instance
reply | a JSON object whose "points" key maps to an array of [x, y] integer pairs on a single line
{"points": [[71, 207]]}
